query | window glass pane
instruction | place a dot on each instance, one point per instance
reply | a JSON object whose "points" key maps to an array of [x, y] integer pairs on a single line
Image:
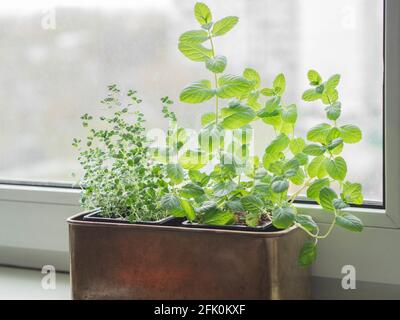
{"points": [[56, 61]]}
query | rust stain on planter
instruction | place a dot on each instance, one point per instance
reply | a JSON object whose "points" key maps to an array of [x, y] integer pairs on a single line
{"points": [[121, 261]]}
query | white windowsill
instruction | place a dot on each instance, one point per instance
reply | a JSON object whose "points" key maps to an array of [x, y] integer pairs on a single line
{"points": [[25, 284]]}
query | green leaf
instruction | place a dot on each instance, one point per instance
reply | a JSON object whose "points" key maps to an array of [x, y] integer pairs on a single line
{"points": [[252, 203], [278, 144], [191, 190], [306, 222], [349, 222], [252, 219], [336, 168], [308, 253], [352, 193], [202, 13], [339, 204], [270, 106], [222, 189], [280, 186], [224, 25], [197, 36], [198, 177], [218, 217], [298, 178], [319, 133], [289, 114], [329, 96], [314, 78], [253, 76], [315, 188], [316, 166], [314, 150], [207, 118], [193, 160], [297, 145], [334, 144], [207, 206], [197, 92], [231, 86], [238, 117], [171, 203], [311, 95], [234, 206], [188, 208], [175, 173], [194, 51], [283, 218], [333, 111], [290, 167], [302, 158], [216, 64], [326, 197], [350, 133], [279, 84], [267, 92], [332, 82]]}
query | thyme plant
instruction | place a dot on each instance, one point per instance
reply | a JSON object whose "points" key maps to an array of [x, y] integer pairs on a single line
{"points": [[120, 177], [240, 188]]}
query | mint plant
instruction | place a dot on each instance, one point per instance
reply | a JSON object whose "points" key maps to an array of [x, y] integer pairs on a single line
{"points": [[120, 176], [221, 183]]}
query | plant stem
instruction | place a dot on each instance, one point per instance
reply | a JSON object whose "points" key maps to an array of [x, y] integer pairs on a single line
{"points": [[215, 80], [294, 196]]}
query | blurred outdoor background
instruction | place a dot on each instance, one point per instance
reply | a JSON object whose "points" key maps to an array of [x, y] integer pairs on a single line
{"points": [[57, 57]]}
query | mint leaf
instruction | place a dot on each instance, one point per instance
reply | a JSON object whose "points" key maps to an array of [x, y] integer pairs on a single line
{"points": [[314, 150], [326, 197], [349, 222], [252, 203], [196, 36], [315, 188], [253, 76], [308, 253], [280, 186], [188, 208], [311, 95], [216, 64], [333, 111], [306, 222], [194, 51], [297, 145], [231, 86], [283, 218], [314, 78], [224, 25], [197, 92], [289, 114], [207, 118], [238, 117], [279, 84], [352, 193], [336, 168], [202, 13], [319, 133], [350, 133], [175, 173]]}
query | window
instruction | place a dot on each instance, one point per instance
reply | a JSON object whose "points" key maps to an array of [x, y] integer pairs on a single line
{"points": [[57, 61]]}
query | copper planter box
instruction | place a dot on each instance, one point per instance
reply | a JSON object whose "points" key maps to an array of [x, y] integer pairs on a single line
{"points": [[129, 261]]}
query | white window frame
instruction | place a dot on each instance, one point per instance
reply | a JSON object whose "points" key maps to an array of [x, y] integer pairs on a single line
{"points": [[38, 213]]}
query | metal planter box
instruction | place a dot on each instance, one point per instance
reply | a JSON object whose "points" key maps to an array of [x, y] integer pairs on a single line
{"points": [[136, 261]]}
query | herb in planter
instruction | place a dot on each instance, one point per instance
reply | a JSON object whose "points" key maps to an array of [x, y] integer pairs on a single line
{"points": [[120, 177], [244, 189]]}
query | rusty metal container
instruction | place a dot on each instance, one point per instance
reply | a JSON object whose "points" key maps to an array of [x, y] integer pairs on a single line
{"points": [[135, 261]]}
